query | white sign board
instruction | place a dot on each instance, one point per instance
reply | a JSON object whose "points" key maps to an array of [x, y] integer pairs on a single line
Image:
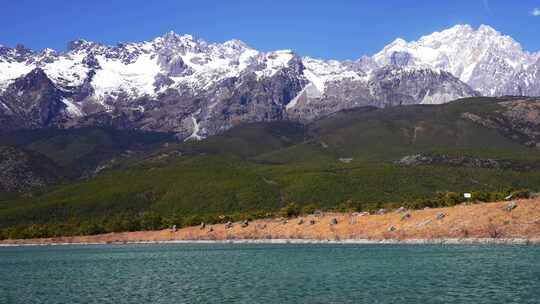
{"points": [[466, 195]]}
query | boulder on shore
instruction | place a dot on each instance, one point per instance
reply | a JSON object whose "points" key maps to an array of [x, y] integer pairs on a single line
{"points": [[406, 216], [333, 221], [510, 207]]}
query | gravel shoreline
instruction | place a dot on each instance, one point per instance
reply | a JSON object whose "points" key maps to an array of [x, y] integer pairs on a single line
{"points": [[442, 241]]}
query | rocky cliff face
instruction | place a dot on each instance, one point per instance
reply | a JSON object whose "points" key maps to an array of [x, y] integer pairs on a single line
{"points": [[31, 101], [385, 87], [194, 88], [525, 82], [519, 120]]}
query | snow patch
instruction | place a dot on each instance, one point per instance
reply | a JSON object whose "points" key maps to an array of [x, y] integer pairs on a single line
{"points": [[275, 61], [319, 72], [196, 128], [9, 71], [315, 80], [71, 108], [294, 101], [136, 78], [67, 70]]}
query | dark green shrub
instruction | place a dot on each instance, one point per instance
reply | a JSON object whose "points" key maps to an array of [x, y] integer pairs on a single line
{"points": [[291, 210], [521, 194], [310, 209], [150, 220], [481, 196], [192, 220], [172, 220], [90, 228]]}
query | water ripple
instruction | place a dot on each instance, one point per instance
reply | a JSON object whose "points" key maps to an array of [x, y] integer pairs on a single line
{"points": [[257, 273]]}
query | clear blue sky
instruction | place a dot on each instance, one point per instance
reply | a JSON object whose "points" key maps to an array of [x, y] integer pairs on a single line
{"points": [[326, 29]]}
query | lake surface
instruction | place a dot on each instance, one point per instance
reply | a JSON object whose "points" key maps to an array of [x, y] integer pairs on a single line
{"points": [[256, 273]]}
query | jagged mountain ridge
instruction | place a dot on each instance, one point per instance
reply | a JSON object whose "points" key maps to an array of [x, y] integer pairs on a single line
{"points": [[195, 88]]}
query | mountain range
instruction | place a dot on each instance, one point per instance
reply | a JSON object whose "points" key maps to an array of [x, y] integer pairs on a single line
{"points": [[96, 180], [194, 89]]}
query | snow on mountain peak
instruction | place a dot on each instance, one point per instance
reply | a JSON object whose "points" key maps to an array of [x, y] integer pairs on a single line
{"points": [[462, 51], [80, 44], [48, 51], [236, 44], [184, 84], [9, 71], [483, 58], [171, 35], [319, 72], [397, 42], [174, 40], [450, 45], [487, 29], [274, 61], [136, 78]]}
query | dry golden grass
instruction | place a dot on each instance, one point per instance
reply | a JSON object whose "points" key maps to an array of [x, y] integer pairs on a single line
{"points": [[487, 220]]}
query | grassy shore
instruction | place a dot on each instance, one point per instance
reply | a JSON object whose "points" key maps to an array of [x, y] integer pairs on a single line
{"points": [[478, 223]]}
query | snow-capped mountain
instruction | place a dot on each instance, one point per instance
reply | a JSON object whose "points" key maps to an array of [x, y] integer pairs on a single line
{"points": [[165, 84], [178, 83], [383, 87], [483, 58]]}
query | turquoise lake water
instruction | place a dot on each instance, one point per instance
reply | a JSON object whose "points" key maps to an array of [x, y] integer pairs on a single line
{"points": [[255, 273]]}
